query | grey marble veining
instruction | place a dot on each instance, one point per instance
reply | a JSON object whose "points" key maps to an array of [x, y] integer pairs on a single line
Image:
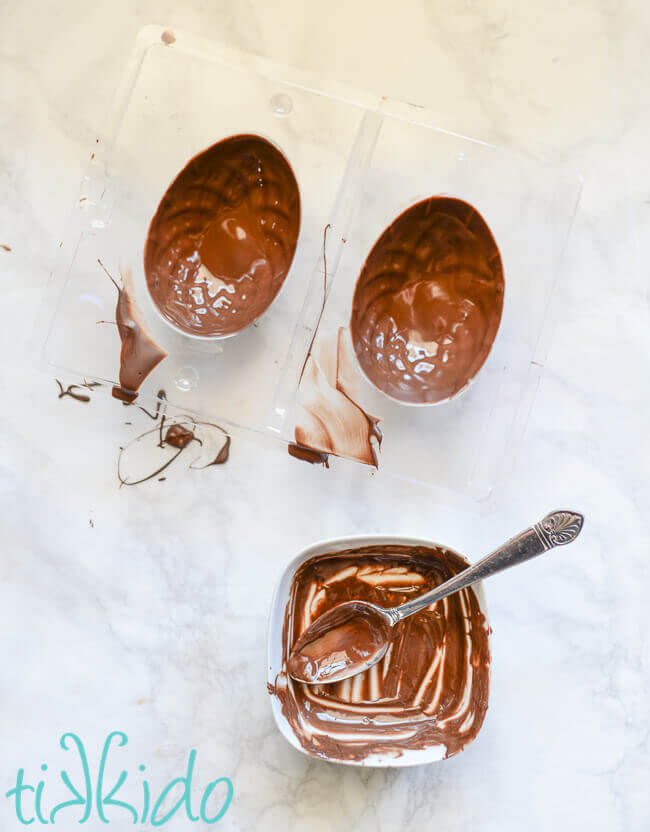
{"points": [[108, 597]]}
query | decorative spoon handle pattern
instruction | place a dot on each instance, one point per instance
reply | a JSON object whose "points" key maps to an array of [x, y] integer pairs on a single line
{"points": [[556, 529]]}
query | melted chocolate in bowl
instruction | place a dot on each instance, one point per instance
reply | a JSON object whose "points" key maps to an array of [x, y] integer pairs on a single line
{"points": [[223, 238], [431, 687], [428, 302]]}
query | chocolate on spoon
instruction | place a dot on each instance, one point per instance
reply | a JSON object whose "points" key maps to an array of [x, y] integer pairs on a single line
{"points": [[354, 636]]}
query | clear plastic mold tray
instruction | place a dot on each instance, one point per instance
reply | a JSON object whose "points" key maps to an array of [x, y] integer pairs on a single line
{"points": [[360, 160]]}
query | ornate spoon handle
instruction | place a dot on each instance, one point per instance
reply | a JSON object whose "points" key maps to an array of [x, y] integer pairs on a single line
{"points": [[556, 529]]}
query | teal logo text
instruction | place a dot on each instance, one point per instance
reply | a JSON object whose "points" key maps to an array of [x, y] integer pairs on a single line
{"points": [[93, 796]]}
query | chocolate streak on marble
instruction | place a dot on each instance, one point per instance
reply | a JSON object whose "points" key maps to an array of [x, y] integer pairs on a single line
{"points": [[179, 434], [223, 238], [428, 302], [179, 437], [140, 353], [150, 476], [161, 402], [294, 449], [69, 391], [222, 456], [432, 686]]}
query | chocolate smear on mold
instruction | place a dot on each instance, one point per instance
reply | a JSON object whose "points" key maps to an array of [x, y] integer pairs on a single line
{"points": [[330, 420], [308, 454], [223, 238], [429, 690], [324, 301], [140, 353], [428, 302], [5, 247]]}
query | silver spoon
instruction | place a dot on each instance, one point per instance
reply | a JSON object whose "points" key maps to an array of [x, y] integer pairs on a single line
{"points": [[353, 636]]}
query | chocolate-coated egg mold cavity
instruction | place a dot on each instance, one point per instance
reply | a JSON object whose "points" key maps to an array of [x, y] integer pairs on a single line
{"points": [[442, 289], [428, 302], [223, 238], [238, 202]]}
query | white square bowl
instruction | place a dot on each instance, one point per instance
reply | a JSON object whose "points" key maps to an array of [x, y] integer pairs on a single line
{"points": [[276, 652]]}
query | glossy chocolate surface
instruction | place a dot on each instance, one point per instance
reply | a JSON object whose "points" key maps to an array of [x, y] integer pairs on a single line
{"points": [[342, 640], [431, 687], [331, 421], [139, 353], [428, 302], [223, 238]]}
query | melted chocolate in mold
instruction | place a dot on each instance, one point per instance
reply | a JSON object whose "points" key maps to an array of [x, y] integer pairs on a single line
{"points": [[140, 353], [223, 238], [428, 302], [430, 689]]}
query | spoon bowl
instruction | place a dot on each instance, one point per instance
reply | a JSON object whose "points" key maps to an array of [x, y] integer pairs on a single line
{"points": [[342, 642]]}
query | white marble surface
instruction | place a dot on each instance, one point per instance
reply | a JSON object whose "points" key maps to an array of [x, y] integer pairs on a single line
{"points": [[144, 610]]}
